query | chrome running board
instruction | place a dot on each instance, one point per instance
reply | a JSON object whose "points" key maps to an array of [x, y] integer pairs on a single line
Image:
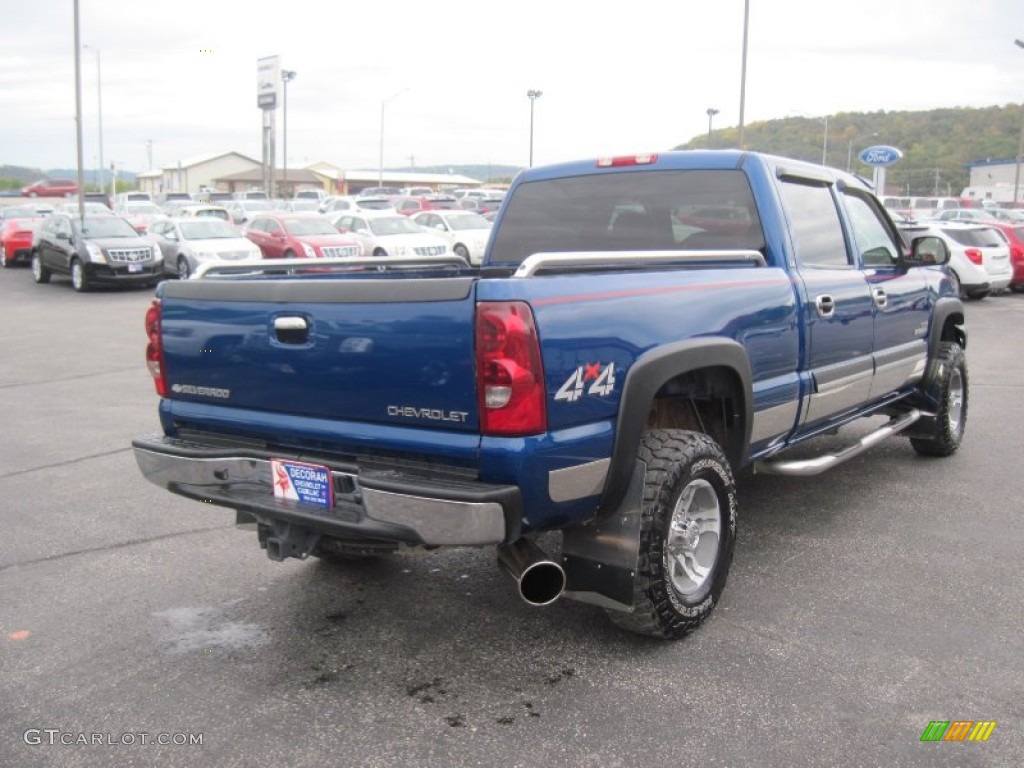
{"points": [[807, 467]]}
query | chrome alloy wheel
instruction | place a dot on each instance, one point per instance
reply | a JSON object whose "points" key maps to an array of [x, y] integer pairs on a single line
{"points": [[693, 538], [956, 400], [77, 275]]}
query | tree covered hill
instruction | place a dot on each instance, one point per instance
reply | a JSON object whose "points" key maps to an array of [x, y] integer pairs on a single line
{"points": [[936, 144]]}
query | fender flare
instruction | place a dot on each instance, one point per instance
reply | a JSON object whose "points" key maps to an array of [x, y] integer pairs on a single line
{"points": [[944, 308], [649, 374]]}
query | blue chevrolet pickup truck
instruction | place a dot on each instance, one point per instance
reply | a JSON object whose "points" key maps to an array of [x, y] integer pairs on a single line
{"points": [[641, 328]]}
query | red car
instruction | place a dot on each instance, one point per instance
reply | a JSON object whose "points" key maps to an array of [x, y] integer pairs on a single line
{"points": [[17, 229], [411, 205], [298, 235], [50, 188], [1015, 234]]}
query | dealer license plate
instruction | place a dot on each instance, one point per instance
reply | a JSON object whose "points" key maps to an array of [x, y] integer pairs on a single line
{"points": [[305, 483]]}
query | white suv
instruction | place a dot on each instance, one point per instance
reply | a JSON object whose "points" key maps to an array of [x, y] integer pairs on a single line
{"points": [[979, 255]]}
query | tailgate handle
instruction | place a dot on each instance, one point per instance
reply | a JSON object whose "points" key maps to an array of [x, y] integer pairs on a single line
{"points": [[291, 329]]}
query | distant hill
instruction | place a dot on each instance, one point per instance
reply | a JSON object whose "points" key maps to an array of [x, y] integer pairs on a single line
{"points": [[483, 172], [21, 173], [90, 175], [936, 144], [26, 175]]}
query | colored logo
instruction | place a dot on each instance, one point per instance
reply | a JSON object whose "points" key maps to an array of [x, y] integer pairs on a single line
{"points": [[880, 155], [958, 730]]}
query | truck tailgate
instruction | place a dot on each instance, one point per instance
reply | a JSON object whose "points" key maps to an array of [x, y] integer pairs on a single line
{"points": [[393, 350]]}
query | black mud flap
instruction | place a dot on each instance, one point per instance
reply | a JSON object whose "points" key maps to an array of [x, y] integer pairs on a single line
{"points": [[600, 558]]}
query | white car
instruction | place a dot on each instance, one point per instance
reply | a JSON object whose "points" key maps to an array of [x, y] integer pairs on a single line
{"points": [[465, 231], [979, 255], [341, 203], [188, 242], [390, 234]]}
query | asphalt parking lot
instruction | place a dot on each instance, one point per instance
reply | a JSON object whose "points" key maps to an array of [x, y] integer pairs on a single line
{"points": [[862, 604]]}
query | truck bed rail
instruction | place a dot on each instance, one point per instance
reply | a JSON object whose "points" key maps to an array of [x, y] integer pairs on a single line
{"points": [[375, 263], [533, 264]]}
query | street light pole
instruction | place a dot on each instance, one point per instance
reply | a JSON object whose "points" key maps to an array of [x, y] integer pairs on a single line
{"points": [[78, 114], [743, 68], [287, 75], [711, 113], [1020, 146], [532, 96], [824, 143], [383, 104], [99, 109]]}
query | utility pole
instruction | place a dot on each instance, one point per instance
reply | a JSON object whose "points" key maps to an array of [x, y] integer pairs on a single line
{"points": [[743, 71]]}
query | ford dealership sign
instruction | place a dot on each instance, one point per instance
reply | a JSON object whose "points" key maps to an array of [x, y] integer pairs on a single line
{"points": [[880, 156]]}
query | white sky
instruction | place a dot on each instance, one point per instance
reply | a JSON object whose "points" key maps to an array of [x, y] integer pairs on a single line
{"points": [[617, 77]]}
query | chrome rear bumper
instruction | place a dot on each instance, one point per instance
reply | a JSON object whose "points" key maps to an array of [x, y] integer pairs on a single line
{"points": [[379, 505]]}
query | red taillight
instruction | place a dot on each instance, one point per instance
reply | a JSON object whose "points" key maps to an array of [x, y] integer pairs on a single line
{"points": [[509, 374], [155, 350], [973, 254], [620, 160]]}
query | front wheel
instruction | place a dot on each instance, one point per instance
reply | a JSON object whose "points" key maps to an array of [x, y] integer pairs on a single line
{"points": [[79, 278], [687, 534], [39, 272], [184, 270], [461, 251], [944, 435]]}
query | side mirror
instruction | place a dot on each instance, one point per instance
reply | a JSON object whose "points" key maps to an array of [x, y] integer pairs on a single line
{"points": [[927, 251], [64, 236]]}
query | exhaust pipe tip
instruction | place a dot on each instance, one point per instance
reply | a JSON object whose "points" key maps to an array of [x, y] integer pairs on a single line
{"points": [[541, 581]]}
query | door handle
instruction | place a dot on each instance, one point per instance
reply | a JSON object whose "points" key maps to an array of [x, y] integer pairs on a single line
{"points": [[878, 294], [826, 305]]}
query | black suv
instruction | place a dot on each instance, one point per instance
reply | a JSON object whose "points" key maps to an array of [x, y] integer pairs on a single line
{"points": [[96, 249]]}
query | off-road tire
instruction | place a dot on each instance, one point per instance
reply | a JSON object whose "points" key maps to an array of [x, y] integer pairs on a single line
{"points": [[677, 461], [947, 431]]}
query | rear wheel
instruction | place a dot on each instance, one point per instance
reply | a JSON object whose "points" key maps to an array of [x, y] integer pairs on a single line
{"points": [[79, 278], [39, 272], [289, 254], [687, 534], [946, 433]]}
